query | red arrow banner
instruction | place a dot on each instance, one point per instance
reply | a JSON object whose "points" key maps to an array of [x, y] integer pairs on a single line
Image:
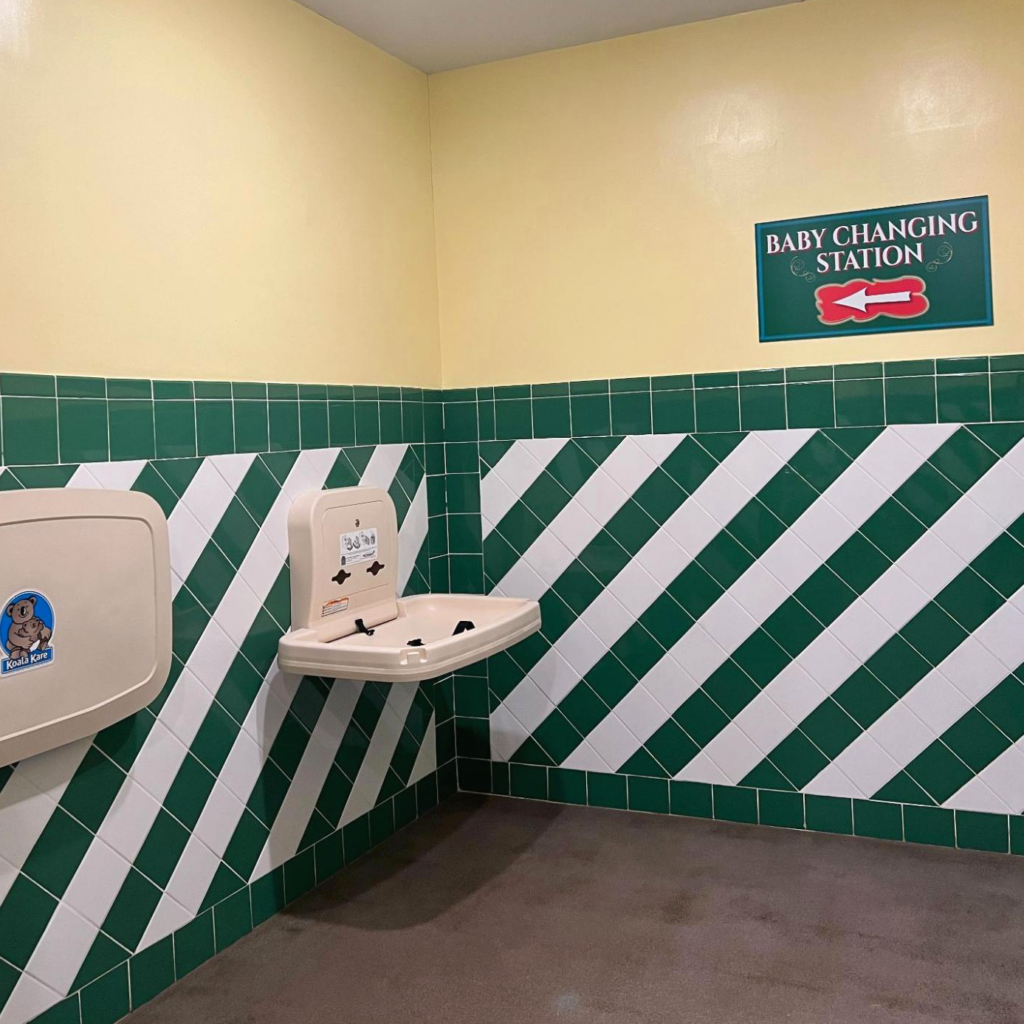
{"points": [[860, 300]]}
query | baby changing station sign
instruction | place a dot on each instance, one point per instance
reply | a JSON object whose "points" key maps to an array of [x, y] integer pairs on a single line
{"points": [[903, 268]]}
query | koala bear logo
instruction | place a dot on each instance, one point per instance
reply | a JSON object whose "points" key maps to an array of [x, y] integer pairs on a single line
{"points": [[26, 628]]}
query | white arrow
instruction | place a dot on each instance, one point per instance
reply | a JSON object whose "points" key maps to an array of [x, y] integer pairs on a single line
{"points": [[861, 300]]}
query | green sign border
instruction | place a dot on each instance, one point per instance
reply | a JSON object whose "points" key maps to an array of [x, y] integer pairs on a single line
{"points": [[988, 320]]}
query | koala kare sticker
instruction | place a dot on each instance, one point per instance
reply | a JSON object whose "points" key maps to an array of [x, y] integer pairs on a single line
{"points": [[26, 633]]}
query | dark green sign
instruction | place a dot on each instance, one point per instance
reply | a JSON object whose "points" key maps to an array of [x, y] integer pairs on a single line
{"points": [[905, 268]]}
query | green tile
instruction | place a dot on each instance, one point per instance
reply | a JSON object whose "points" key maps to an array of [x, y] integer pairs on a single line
{"points": [[673, 382], [877, 820], [129, 388], [300, 872], [173, 390], [631, 412], [460, 421], [692, 799], [645, 794], [591, 415], [860, 403], [910, 368], [475, 775], [784, 810], [367, 422], [773, 376], [910, 399], [313, 431], [318, 392], [805, 374], [733, 803], [29, 430], [964, 399], [284, 426], [215, 428], [232, 919], [106, 1000], [132, 431], [252, 431], [673, 412], [513, 419], [589, 387], [29, 385], [83, 430], [858, 371], [560, 389], [175, 429], [529, 780], [152, 971], [1016, 834], [213, 389], [24, 915], [717, 409], [341, 423], [67, 1011], [1008, 396], [510, 391], [715, 380], [193, 944], [810, 405], [81, 387], [763, 407], [566, 785], [390, 423], [829, 814], [978, 831], [1006, 363], [606, 790], [931, 825], [962, 364]]}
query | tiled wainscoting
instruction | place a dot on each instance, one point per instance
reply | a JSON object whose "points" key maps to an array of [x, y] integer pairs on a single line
{"points": [[807, 613], [129, 858]]}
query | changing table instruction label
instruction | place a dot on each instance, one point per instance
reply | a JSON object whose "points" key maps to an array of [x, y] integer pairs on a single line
{"points": [[358, 546], [903, 268], [26, 633]]}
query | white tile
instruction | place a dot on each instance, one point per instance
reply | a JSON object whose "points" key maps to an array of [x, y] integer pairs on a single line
{"points": [[827, 661], [721, 495], [212, 657], [856, 495], [1000, 492], [523, 581], [585, 758], [1005, 777], [544, 449], [784, 443], [864, 762], [507, 734], [380, 470], [973, 669], [163, 755], [1002, 634], [607, 617], [629, 466], [727, 623], [516, 470], [640, 713], [926, 438], [24, 814], [901, 734], [528, 704], [582, 647], [614, 743], [237, 610], [117, 476], [168, 917], [658, 446], [187, 539], [930, 563], [97, 882], [62, 949], [698, 653], [794, 691], [823, 529], [321, 459], [766, 726], [496, 500], [601, 496], [554, 675], [896, 597], [262, 565], [691, 527], [82, 480], [575, 527], [193, 873], [28, 1000], [129, 819], [663, 558], [861, 629], [790, 561], [937, 702], [734, 754], [890, 460], [966, 529], [234, 467], [758, 592], [703, 769], [636, 589], [207, 496], [186, 707], [977, 795], [549, 557], [669, 684], [222, 807]]}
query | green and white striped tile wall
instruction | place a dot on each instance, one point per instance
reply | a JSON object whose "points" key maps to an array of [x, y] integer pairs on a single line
{"points": [[128, 858], [815, 625]]}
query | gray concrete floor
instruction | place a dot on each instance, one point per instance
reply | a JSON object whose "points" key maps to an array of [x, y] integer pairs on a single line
{"points": [[512, 912]]}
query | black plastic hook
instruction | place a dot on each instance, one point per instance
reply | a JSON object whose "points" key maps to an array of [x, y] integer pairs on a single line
{"points": [[375, 568], [341, 577]]}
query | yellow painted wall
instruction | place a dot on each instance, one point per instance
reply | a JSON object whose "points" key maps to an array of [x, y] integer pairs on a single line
{"points": [[213, 189], [595, 206]]}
